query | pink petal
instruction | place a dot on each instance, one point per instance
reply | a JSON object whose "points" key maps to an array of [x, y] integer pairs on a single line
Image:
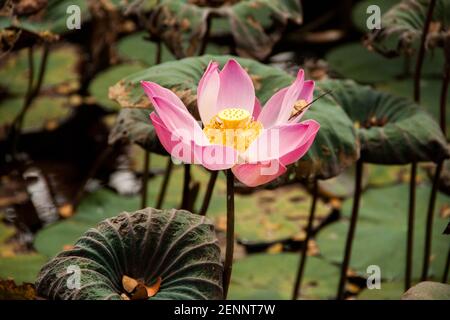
{"points": [[307, 95], [269, 114], [303, 147], [207, 92], [178, 120], [236, 88], [291, 96], [212, 157], [281, 141], [257, 109], [257, 174], [279, 107], [173, 144], [155, 90]]}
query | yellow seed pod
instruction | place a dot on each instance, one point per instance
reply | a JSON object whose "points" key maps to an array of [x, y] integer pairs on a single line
{"points": [[234, 118]]}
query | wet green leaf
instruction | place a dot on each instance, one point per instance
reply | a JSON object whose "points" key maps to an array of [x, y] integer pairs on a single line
{"points": [[99, 87], [45, 113], [402, 26], [387, 217], [271, 277], [369, 67], [256, 25], [61, 70], [392, 130], [360, 15], [174, 245]]}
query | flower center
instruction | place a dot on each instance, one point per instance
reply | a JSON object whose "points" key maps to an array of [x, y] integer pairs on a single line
{"points": [[233, 127]]}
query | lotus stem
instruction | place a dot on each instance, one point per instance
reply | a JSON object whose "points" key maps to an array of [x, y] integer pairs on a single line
{"points": [[417, 98], [186, 184], [209, 192], [352, 229], [228, 265], [303, 256], [446, 268], [205, 41], [410, 236], [165, 184], [145, 173], [429, 223], [32, 93]]}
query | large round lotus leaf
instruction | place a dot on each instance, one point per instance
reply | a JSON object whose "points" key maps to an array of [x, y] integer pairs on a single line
{"points": [[343, 185], [360, 14], [61, 70], [335, 146], [428, 291], [271, 277], [256, 25], [385, 175], [391, 130], [430, 94], [380, 237], [177, 246], [99, 86], [45, 113], [136, 48], [403, 24], [354, 61]]}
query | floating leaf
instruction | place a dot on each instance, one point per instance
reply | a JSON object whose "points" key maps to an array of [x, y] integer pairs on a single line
{"points": [[271, 277], [402, 26], [61, 70], [363, 63], [387, 217], [392, 130], [428, 291], [335, 146], [99, 86], [136, 48], [45, 112], [177, 246], [388, 291], [256, 25], [94, 208]]}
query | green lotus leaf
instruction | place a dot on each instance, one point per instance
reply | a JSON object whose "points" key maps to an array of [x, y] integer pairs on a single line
{"points": [[22, 267], [45, 113], [380, 237], [271, 277], [389, 291], [42, 27], [363, 62], [61, 70], [391, 130], [428, 291], [256, 25], [100, 84], [334, 149], [403, 24], [430, 94], [174, 245]]}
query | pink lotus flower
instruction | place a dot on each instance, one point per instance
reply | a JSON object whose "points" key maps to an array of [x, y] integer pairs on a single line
{"points": [[257, 144]]}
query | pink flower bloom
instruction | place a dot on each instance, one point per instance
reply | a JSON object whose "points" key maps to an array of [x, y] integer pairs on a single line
{"points": [[256, 143]]}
